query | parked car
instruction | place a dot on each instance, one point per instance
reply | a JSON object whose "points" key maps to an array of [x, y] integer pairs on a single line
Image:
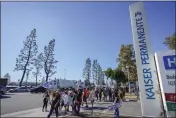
{"points": [[38, 89], [11, 87], [19, 89]]}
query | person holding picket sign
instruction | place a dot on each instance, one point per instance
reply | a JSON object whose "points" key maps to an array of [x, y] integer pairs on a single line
{"points": [[117, 104], [115, 107]]}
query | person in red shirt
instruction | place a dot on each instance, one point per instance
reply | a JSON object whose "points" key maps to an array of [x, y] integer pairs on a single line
{"points": [[85, 96]]}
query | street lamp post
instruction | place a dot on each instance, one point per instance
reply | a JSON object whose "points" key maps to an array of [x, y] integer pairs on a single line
{"points": [[65, 73]]}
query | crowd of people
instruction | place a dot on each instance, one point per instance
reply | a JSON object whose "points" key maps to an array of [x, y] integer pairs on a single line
{"points": [[75, 98]]}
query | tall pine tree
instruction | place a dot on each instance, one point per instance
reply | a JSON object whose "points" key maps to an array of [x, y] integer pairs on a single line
{"points": [[49, 60], [87, 72], [26, 57]]}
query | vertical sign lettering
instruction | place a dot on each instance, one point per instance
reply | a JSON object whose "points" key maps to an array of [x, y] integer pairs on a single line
{"points": [[147, 77]]}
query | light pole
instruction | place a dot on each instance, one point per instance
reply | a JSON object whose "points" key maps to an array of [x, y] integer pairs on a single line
{"points": [[65, 73], [127, 67]]}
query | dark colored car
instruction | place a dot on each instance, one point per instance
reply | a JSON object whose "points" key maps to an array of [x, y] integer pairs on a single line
{"points": [[19, 89], [38, 89]]}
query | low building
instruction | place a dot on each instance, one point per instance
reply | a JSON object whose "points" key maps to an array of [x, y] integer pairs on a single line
{"points": [[59, 83], [62, 83]]}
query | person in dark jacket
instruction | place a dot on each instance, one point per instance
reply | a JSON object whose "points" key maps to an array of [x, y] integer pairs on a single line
{"points": [[55, 104], [96, 93], [77, 101], [45, 100], [74, 102], [117, 100], [110, 94], [105, 94], [123, 93], [116, 95]]}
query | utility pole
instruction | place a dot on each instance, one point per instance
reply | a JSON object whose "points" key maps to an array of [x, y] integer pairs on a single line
{"points": [[65, 73], [58, 71]]}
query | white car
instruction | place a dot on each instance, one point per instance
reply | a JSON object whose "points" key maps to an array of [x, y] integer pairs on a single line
{"points": [[19, 89]]}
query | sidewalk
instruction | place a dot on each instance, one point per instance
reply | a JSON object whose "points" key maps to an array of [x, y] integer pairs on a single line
{"points": [[127, 109], [36, 112]]}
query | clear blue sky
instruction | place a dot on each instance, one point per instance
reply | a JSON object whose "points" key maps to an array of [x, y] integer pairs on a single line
{"points": [[81, 29]]}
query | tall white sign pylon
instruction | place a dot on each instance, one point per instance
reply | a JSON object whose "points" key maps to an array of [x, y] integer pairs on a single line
{"points": [[151, 103]]}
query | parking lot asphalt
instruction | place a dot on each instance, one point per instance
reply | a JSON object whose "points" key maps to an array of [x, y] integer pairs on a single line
{"points": [[14, 102]]}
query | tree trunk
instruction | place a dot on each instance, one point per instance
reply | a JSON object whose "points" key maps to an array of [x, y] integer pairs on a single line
{"points": [[47, 75], [22, 78], [36, 80]]}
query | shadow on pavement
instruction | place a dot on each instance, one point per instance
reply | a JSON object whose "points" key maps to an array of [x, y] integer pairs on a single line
{"points": [[4, 97], [103, 103], [10, 94], [94, 108], [94, 115], [82, 115], [61, 113]]}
